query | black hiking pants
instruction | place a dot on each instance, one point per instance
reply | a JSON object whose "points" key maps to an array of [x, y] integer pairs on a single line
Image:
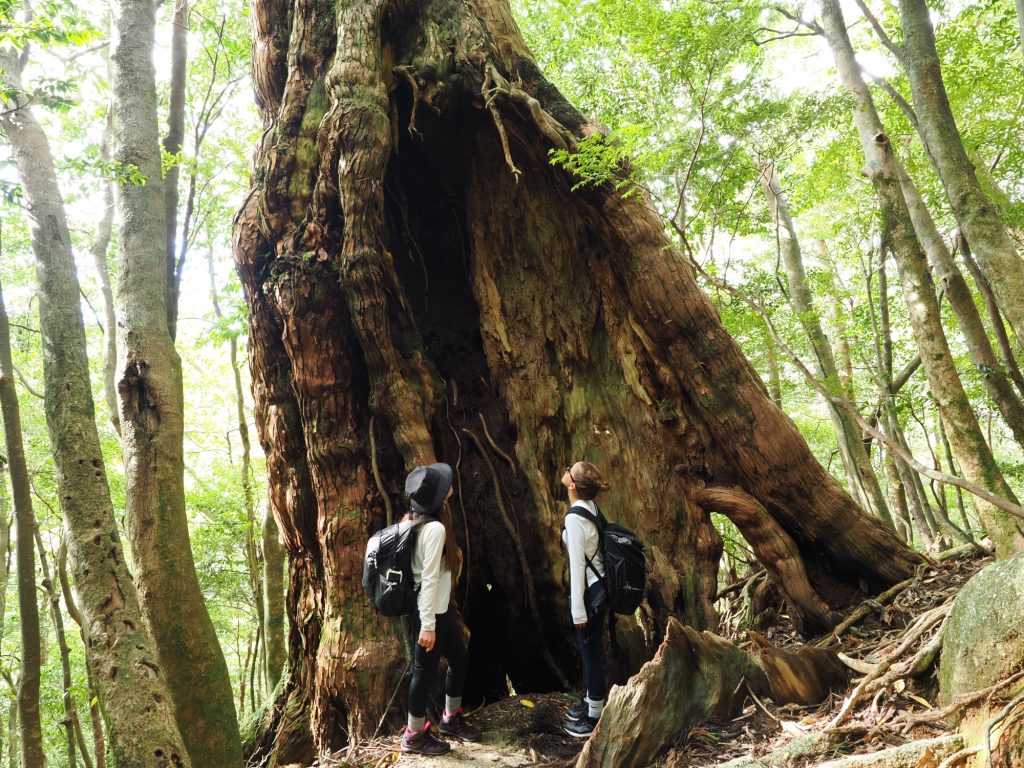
{"points": [[592, 651], [447, 643]]}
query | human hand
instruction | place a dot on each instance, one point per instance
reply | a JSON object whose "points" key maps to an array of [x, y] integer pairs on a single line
{"points": [[427, 639], [582, 626]]}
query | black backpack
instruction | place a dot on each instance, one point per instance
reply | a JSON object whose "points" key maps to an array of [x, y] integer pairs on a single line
{"points": [[625, 565], [387, 570]]}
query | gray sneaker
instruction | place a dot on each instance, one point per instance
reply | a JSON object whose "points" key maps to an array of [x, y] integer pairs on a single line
{"points": [[423, 742], [581, 728], [580, 709]]}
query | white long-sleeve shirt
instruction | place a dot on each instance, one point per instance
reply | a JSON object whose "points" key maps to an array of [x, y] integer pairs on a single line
{"points": [[582, 540], [434, 582]]}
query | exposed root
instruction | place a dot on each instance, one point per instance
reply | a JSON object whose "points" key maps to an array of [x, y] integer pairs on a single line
{"points": [[878, 679], [490, 92], [956, 757], [494, 445], [552, 130], [376, 474], [407, 73], [962, 702], [987, 745], [870, 606]]}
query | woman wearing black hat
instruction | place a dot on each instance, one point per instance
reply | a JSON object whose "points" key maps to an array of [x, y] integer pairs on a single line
{"points": [[435, 560]]}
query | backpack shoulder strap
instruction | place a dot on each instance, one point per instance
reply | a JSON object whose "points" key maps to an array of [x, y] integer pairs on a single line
{"points": [[582, 512]]}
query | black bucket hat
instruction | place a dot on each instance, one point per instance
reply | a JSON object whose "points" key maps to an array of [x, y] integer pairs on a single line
{"points": [[427, 487]]}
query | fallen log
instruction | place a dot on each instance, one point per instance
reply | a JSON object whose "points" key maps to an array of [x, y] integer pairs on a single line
{"points": [[694, 676]]}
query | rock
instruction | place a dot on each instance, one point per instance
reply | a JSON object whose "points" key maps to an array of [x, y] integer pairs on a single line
{"points": [[804, 676], [984, 635], [694, 676]]}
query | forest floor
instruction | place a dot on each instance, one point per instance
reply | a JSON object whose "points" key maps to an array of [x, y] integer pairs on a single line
{"points": [[526, 730]]}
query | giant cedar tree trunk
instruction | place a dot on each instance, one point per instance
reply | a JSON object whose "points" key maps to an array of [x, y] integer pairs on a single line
{"points": [[396, 267]]}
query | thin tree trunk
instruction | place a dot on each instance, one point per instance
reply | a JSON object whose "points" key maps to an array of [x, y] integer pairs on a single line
{"points": [[100, 247], [252, 553], [32, 755], [5, 546], [83, 748], [98, 743], [997, 383], [885, 171], [172, 145], [774, 378], [68, 697], [995, 316], [861, 475], [1020, 22], [911, 483], [273, 593], [129, 680], [953, 468], [978, 215], [151, 400], [243, 677], [898, 496], [12, 735]]}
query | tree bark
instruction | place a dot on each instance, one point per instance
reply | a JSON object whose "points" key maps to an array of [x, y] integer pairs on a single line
{"points": [[99, 746], [995, 316], [172, 145], [273, 594], [885, 172], [68, 697], [140, 721], [100, 247], [773, 547], [997, 383], [863, 482], [5, 550], [774, 377], [152, 414], [977, 214], [31, 730], [417, 283]]}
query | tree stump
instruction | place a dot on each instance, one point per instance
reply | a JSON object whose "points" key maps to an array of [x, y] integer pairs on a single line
{"points": [[804, 676], [693, 676]]}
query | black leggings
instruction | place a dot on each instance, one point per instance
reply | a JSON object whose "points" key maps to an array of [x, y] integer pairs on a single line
{"points": [[448, 643], [592, 651]]}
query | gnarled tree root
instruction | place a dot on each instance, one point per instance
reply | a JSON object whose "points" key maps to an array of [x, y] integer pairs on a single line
{"points": [[776, 550], [694, 676]]}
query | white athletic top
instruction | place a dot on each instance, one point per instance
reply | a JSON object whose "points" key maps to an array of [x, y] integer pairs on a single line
{"points": [[582, 540], [434, 581]]}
